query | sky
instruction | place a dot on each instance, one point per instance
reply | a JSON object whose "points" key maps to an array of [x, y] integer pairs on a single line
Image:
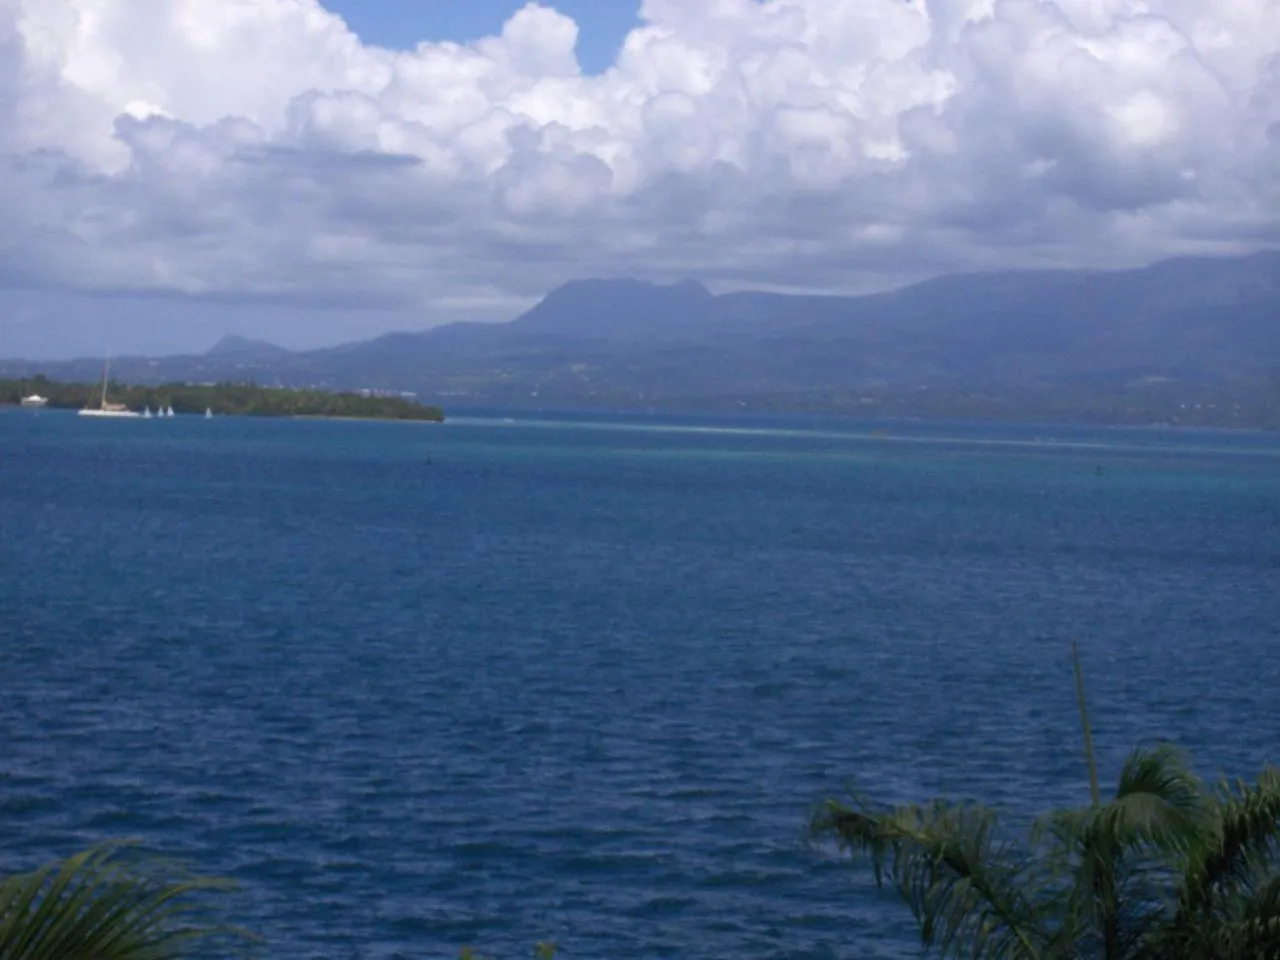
{"points": [[402, 24], [180, 169]]}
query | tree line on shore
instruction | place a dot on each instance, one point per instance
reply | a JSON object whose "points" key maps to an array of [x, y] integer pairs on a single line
{"points": [[240, 399]]}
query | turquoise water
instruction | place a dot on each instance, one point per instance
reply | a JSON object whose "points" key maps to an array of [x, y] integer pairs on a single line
{"points": [[581, 678]]}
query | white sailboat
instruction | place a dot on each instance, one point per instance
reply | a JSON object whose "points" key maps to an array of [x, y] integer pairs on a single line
{"points": [[146, 413], [208, 413], [168, 411], [106, 409]]}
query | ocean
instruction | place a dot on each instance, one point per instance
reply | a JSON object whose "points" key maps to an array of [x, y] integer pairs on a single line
{"points": [[525, 677]]}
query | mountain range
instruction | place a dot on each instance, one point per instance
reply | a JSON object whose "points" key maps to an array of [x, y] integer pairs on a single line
{"points": [[1188, 328]]}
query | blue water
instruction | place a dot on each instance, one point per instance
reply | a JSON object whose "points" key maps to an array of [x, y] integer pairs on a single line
{"points": [[581, 679]]}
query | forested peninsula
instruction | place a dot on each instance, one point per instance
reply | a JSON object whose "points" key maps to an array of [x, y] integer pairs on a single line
{"points": [[222, 399]]}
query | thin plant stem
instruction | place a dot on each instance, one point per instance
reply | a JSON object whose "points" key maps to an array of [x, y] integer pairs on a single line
{"points": [[1089, 756]]}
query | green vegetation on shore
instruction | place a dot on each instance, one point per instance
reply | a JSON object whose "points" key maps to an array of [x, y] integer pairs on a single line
{"points": [[223, 398]]}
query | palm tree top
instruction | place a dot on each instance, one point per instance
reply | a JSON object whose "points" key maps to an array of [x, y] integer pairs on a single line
{"points": [[1166, 867]]}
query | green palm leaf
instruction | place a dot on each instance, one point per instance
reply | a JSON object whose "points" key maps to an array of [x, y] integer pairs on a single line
{"points": [[1164, 869], [1118, 858], [966, 886], [1227, 900], [1245, 834], [104, 905], [1159, 803], [1251, 928]]}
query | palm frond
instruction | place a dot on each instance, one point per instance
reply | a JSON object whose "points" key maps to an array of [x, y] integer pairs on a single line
{"points": [[1165, 869], [1229, 880], [1252, 929], [1245, 834], [1160, 803], [968, 890], [105, 905], [1160, 809], [1115, 860], [1242, 926]]}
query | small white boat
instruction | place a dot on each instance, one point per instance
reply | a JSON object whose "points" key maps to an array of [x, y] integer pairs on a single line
{"points": [[208, 413], [105, 409], [168, 411], [146, 413], [35, 400]]}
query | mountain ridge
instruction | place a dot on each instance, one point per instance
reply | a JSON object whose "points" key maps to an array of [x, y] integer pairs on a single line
{"points": [[627, 342]]}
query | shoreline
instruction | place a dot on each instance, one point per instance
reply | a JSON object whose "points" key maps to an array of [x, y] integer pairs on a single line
{"points": [[327, 416], [257, 416]]}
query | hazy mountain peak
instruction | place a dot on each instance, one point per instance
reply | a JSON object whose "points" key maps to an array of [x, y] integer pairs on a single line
{"points": [[619, 309]]}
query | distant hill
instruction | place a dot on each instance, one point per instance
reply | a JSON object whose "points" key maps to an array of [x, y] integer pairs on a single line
{"points": [[627, 311], [242, 348], [1178, 329]]}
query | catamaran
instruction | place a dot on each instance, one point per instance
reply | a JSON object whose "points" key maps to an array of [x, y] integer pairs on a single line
{"points": [[105, 409]]}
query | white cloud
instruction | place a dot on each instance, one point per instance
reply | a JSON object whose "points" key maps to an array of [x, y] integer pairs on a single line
{"points": [[257, 149]]}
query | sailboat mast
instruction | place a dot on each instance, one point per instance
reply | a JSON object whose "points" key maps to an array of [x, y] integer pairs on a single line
{"points": [[106, 370]]}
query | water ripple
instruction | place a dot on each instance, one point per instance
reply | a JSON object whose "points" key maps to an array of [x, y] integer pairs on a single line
{"points": [[581, 683]]}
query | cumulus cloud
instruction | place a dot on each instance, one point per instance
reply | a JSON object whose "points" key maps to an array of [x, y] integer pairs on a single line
{"points": [[256, 149]]}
